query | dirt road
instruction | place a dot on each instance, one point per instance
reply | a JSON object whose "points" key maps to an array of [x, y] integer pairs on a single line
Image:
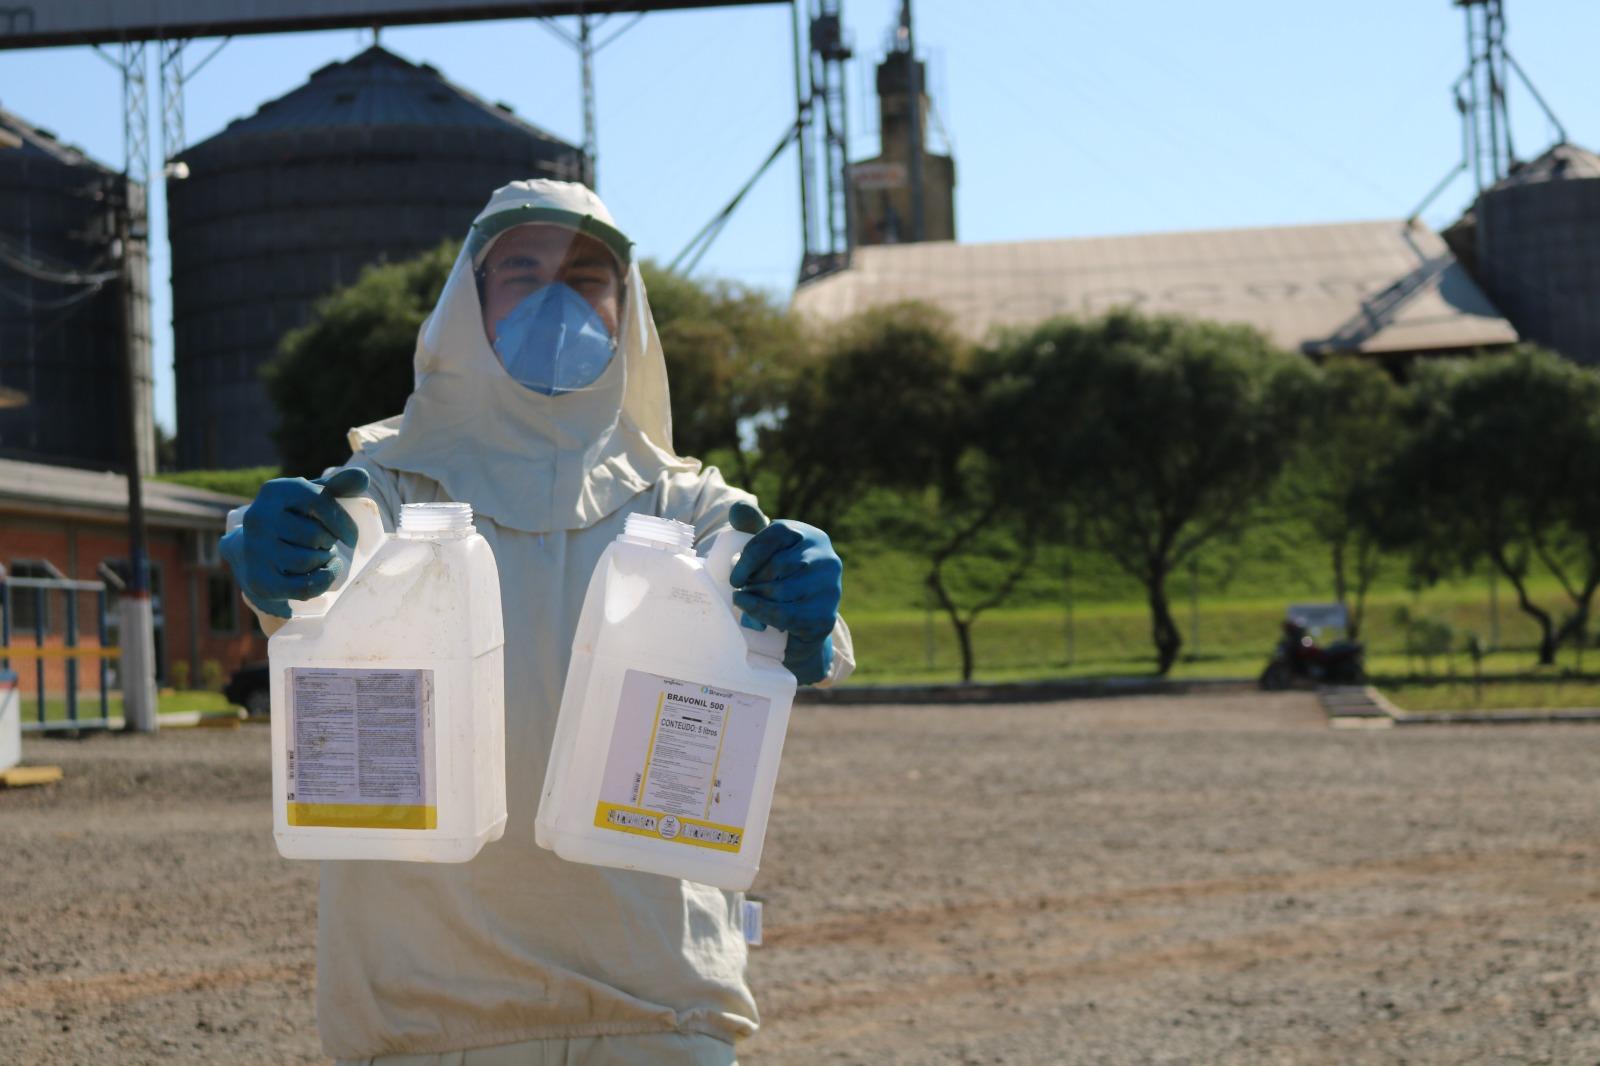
{"points": [[1192, 880]]}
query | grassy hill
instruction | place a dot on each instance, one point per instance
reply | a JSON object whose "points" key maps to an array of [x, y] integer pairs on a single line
{"points": [[1076, 613], [1095, 621]]}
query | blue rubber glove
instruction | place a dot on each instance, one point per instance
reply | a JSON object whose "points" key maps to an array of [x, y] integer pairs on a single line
{"points": [[284, 549], [790, 578]]}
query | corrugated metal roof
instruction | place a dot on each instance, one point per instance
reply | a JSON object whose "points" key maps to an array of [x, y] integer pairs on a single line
{"points": [[376, 88], [1357, 286], [39, 489], [36, 141], [1561, 162]]}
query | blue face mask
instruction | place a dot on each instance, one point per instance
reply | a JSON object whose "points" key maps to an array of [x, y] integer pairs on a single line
{"points": [[553, 341]]}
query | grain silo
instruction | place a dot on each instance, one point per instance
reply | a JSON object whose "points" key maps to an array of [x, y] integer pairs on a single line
{"points": [[1538, 250], [62, 353], [1531, 239], [373, 159]]}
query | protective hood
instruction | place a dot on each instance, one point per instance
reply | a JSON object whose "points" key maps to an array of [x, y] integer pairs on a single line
{"points": [[530, 461]]}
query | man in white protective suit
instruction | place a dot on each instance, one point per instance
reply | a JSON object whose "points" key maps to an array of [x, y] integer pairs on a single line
{"points": [[541, 400]]}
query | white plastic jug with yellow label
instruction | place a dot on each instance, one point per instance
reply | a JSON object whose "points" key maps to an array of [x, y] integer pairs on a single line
{"points": [[673, 716], [388, 710]]}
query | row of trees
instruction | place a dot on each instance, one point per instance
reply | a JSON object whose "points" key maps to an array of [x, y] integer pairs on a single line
{"points": [[1142, 438]]}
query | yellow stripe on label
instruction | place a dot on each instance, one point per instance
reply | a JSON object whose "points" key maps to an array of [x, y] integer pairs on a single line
{"points": [[643, 822], [716, 785], [364, 815], [644, 774]]}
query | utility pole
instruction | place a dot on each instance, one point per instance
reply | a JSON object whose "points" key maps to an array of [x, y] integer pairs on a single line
{"points": [[136, 617], [591, 136], [130, 224], [802, 112], [584, 43], [136, 613]]}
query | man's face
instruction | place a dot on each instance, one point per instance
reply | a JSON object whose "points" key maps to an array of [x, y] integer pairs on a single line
{"points": [[527, 258]]}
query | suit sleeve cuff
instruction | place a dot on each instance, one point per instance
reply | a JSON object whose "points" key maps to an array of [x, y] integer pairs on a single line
{"points": [[844, 656]]}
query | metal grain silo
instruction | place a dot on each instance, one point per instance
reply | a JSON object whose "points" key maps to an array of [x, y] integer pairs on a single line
{"points": [[373, 159], [61, 327], [1538, 250]]}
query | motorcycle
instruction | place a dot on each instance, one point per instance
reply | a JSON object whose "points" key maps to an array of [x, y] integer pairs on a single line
{"points": [[1298, 657]]}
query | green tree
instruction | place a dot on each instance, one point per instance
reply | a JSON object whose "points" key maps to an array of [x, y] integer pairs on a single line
{"points": [[892, 405], [1007, 478], [1332, 482], [244, 481], [976, 543], [1498, 464], [352, 362], [1184, 427], [166, 449], [730, 352], [881, 405]]}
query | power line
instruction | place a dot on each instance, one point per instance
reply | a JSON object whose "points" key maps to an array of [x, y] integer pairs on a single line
{"points": [[40, 271], [28, 303], [1028, 104]]}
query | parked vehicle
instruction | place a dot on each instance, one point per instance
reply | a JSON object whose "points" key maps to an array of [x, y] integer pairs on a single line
{"points": [[1299, 658], [248, 687]]}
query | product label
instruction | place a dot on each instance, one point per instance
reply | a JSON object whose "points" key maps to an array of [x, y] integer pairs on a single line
{"points": [[360, 748], [682, 763]]}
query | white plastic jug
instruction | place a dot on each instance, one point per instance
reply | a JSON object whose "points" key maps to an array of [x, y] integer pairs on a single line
{"points": [[673, 716], [388, 709]]}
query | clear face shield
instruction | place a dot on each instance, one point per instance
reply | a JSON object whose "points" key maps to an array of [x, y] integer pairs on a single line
{"points": [[552, 299]]}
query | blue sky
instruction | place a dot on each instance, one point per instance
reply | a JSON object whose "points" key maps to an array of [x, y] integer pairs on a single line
{"points": [[1068, 117]]}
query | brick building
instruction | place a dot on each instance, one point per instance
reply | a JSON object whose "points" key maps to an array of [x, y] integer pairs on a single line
{"points": [[64, 523]]}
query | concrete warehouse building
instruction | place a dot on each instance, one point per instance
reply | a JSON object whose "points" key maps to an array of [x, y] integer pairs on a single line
{"points": [[1522, 263], [374, 159], [1389, 289], [64, 523]]}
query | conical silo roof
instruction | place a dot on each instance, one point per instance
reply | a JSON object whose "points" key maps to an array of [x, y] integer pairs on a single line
{"points": [[374, 89], [1561, 162], [38, 143], [373, 159]]}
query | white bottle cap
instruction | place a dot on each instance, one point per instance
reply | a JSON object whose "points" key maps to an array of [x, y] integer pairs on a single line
{"points": [[436, 519], [675, 536]]}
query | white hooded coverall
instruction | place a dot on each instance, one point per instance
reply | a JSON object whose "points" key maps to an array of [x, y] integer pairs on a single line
{"points": [[519, 947]]}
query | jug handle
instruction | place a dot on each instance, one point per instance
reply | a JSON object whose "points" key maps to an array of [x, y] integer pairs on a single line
{"points": [[370, 535], [720, 561]]}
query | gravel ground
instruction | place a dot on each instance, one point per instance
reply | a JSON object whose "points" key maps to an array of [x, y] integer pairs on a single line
{"points": [[1204, 879]]}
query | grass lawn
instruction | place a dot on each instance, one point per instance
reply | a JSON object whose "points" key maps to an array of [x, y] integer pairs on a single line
{"points": [[1554, 692], [168, 701], [1224, 638]]}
